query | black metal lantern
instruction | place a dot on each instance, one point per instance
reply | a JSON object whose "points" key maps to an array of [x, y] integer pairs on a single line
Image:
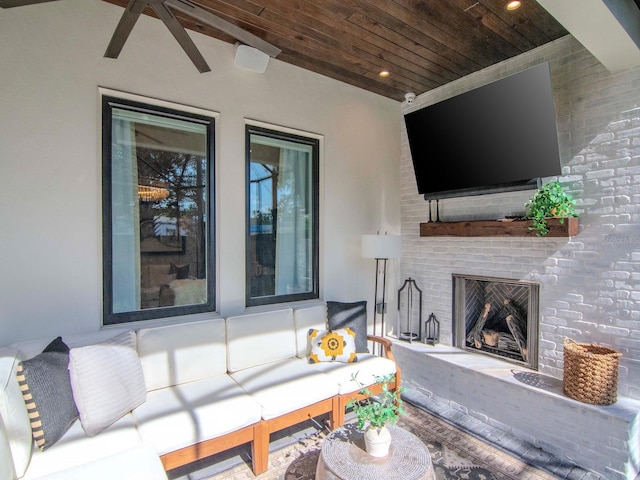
{"points": [[431, 330], [407, 333]]}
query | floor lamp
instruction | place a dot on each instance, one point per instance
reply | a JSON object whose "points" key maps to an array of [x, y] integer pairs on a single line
{"points": [[382, 248]]}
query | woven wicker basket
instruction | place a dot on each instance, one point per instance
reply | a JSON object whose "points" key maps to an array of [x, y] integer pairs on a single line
{"points": [[590, 372]]}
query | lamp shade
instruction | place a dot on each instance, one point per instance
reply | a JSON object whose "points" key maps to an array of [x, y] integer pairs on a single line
{"points": [[381, 246]]}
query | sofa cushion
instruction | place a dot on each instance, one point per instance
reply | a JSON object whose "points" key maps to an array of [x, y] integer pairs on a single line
{"points": [[107, 382], [46, 390], [285, 386], [133, 464], [31, 348], [14, 412], [76, 448], [176, 354], [332, 345], [259, 338], [350, 315], [368, 368], [6, 460], [304, 320], [182, 415]]}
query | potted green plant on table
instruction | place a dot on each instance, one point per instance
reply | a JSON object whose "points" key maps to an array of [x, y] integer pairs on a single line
{"points": [[376, 412], [549, 201]]}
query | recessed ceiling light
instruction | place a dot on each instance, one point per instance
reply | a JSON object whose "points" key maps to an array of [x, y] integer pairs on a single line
{"points": [[384, 73], [513, 5]]}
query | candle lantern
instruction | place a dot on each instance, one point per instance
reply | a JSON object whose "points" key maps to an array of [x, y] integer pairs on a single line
{"points": [[431, 330], [407, 331]]}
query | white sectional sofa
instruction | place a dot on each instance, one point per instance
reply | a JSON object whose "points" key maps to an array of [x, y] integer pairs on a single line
{"points": [[210, 385]]}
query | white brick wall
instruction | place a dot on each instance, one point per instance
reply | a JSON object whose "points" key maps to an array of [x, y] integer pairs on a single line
{"points": [[531, 407], [590, 283]]}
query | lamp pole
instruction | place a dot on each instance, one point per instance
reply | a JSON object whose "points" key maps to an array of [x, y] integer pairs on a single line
{"points": [[381, 248]]}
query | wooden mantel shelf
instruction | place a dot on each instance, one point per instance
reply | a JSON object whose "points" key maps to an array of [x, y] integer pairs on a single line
{"points": [[498, 228]]}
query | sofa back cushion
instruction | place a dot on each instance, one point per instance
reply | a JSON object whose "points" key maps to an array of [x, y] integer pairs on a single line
{"points": [[176, 354], [260, 338], [350, 315], [309, 318], [6, 460], [14, 413], [30, 348]]}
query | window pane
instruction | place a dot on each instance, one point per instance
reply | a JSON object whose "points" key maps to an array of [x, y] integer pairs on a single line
{"points": [[156, 233], [282, 205]]}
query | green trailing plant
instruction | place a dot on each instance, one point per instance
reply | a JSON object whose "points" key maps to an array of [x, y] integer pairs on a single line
{"points": [[380, 410], [549, 201]]}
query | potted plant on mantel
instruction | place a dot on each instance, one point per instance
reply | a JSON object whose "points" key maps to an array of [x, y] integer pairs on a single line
{"points": [[549, 201], [374, 413]]}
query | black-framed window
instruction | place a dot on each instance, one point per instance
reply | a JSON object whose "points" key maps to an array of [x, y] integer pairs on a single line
{"points": [[158, 222], [282, 229]]}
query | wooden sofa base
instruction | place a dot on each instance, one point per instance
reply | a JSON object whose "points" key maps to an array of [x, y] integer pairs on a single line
{"points": [[261, 446], [259, 433], [207, 448], [343, 400]]}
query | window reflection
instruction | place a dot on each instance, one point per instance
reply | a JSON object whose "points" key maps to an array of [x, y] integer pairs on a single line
{"points": [[159, 171], [282, 243]]}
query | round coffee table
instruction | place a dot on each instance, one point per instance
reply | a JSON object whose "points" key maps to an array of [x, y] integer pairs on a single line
{"points": [[343, 457]]}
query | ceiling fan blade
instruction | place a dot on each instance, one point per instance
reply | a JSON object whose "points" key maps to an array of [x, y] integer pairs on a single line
{"points": [[20, 3], [127, 21], [180, 34], [186, 6]]}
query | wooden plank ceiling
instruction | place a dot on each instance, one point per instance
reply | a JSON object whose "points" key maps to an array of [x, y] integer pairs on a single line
{"points": [[422, 43]]}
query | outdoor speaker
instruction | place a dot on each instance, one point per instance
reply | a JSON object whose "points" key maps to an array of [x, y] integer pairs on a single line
{"points": [[251, 58]]}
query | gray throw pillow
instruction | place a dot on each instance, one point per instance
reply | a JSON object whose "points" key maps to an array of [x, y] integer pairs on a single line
{"points": [[350, 315], [46, 390]]}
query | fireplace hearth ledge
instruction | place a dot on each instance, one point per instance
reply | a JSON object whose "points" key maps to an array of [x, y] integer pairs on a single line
{"points": [[603, 439]]}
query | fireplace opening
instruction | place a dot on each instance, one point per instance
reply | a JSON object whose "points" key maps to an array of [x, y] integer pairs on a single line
{"points": [[496, 317]]}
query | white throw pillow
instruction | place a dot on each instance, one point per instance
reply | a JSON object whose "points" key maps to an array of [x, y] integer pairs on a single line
{"points": [[125, 339], [107, 382]]}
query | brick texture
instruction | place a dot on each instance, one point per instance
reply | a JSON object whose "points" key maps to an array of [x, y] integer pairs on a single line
{"points": [[589, 283]]}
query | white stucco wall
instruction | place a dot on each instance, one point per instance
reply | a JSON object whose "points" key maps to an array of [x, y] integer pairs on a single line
{"points": [[51, 67]]}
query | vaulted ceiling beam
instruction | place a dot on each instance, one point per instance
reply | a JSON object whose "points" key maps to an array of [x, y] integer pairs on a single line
{"points": [[229, 28], [162, 8]]}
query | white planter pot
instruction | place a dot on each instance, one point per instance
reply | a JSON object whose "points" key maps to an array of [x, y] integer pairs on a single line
{"points": [[377, 441]]}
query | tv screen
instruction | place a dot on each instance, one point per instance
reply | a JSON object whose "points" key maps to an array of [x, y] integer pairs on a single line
{"points": [[498, 137]]}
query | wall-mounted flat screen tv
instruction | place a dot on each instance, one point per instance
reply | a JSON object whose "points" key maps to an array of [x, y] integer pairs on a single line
{"points": [[498, 137]]}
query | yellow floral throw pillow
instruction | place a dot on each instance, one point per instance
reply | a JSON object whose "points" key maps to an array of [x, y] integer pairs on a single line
{"points": [[332, 345]]}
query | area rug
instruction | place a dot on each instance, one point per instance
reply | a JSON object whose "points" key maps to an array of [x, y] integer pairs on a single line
{"points": [[456, 455]]}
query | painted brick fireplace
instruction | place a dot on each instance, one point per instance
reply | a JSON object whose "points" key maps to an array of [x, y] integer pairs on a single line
{"points": [[496, 317], [589, 283]]}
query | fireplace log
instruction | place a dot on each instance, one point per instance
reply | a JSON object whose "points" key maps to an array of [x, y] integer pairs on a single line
{"points": [[517, 326], [475, 335], [491, 337], [507, 343]]}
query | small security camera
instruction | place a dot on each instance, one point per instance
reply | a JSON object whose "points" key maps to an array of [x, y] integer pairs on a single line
{"points": [[410, 97]]}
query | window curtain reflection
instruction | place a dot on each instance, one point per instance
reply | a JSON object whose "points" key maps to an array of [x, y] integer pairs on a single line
{"points": [[126, 218], [293, 243]]}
